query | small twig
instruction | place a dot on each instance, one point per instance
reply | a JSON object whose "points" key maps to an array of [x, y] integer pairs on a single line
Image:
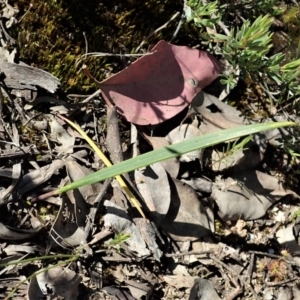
{"points": [[47, 142], [180, 21], [251, 266], [218, 261], [89, 98], [117, 259], [178, 26], [96, 204], [281, 282], [295, 2], [30, 6], [155, 31], [88, 74], [30, 119], [250, 271], [188, 253], [234, 276], [86, 45], [100, 236], [293, 263], [100, 54]]}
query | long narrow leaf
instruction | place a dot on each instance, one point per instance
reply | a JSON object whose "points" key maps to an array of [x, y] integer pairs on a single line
{"points": [[172, 151], [108, 164]]}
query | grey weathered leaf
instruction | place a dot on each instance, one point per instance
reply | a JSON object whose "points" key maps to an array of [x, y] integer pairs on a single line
{"points": [[65, 231], [9, 233], [187, 218], [171, 165], [153, 184], [61, 282], [36, 178], [247, 195], [203, 290], [61, 136], [119, 221], [182, 133], [215, 112], [180, 278], [139, 290], [22, 76]]}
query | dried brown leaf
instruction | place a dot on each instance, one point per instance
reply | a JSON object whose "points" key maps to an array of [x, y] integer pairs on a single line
{"points": [[153, 184], [187, 218]]}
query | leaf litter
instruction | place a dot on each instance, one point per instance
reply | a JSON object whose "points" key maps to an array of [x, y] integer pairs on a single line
{"points": [[221, 224]]}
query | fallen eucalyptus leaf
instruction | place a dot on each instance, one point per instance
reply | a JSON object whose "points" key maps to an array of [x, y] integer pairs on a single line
{"points": [[187, 218], [61, 136], [203, 290], [117, 293], [65, 232], [215, 112], [157, 87], [9, 233], [62, 282], [153, 184], [21, 76], [171, 165], [180, 278], [69, 226], [247, 195], [183, 133], [139, 290]]}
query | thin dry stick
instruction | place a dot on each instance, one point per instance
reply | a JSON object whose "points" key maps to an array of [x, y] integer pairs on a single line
{"points": [[30, 6], [218, 261], [280, 283], [250, 271], [155, 31], [188, 253], [238, 289], [89, 98], [180, 21], [291, 262], [96, 204], [117, 259]]}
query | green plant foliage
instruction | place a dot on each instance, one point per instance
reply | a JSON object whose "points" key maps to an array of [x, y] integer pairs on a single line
{"points": [[232, 148], [201, 13], [171, 151], [118, 240], [247, 48]]}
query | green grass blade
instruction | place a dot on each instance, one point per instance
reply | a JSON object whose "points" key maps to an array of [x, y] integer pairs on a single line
{"points": [[172, 151]]}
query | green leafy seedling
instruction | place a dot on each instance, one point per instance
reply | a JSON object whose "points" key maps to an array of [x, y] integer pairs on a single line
{"points": [[232, 149], [118, 240]]}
